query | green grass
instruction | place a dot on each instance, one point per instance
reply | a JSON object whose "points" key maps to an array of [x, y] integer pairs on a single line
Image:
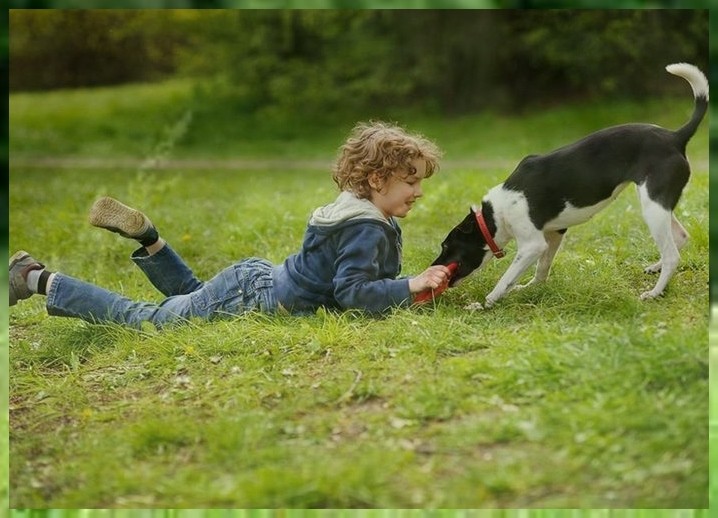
{"points": [[136, 120], [573, 394]]}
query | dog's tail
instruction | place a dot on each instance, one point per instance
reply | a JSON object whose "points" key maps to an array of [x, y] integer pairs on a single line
{"points": [[699, 83]]}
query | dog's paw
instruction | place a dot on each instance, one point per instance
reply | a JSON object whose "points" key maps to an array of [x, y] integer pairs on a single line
{"points": [[648, 295], [654, 268], [474, 306], [492, 300]]}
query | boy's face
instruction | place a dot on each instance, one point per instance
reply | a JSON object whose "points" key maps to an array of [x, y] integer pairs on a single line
{"points": [[400, 191]]}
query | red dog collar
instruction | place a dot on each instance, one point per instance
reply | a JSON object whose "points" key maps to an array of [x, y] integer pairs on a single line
{"points": [[498, 252]]}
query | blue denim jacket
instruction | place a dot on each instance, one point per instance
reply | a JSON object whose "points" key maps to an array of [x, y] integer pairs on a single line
{"points": [[350, 258]]}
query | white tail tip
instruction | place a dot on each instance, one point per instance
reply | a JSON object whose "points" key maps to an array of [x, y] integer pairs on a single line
{"points": [[693, 75]]}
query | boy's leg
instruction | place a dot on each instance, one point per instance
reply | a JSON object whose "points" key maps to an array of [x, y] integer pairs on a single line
{"points": [[242, 287], [74, 298], [70, 297], [167, 271], [160, 263]]}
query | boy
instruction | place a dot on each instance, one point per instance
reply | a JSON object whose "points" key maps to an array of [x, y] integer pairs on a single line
{"points": [[350, 257]]}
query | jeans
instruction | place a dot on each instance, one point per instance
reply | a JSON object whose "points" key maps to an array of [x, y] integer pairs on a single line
{"points": [[242, 287]]}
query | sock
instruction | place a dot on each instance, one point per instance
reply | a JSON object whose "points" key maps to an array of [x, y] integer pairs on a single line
{"points": [[38, 281], [48, 284], [150, 237]]}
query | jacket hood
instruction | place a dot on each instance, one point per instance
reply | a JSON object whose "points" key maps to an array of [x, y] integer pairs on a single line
{"points": [[346, 207]]}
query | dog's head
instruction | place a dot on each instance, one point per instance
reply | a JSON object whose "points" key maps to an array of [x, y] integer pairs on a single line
{"points": [[466, 245]]}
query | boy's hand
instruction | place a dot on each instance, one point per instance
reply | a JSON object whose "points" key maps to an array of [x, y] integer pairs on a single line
{"points": [[432, 282], [430, 279]]}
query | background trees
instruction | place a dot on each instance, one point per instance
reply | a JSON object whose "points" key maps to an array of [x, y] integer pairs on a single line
{"points": [[451, 61]]}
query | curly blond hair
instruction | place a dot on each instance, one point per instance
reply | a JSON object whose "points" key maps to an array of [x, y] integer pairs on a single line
{"points": [[382, 148]]}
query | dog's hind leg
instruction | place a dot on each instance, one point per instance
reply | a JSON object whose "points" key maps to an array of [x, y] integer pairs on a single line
{"points": [[660, 223], [543, 268], [680, 236]]}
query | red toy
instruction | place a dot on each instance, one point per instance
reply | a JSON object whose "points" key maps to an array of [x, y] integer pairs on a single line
{"points": [[427, 295]]}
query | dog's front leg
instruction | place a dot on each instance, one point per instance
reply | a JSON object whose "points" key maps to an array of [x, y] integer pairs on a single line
{"points": [[554, 239], [527, 254]]}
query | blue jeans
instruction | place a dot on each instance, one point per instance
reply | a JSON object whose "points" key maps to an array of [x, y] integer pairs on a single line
{"points": [[243, 287]]}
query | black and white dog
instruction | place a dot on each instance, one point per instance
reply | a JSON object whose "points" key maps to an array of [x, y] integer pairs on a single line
{"points": [[548, 193]]}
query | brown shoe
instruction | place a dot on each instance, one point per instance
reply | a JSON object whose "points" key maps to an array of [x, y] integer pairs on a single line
{"points": [[21, 263], [110, 214]]}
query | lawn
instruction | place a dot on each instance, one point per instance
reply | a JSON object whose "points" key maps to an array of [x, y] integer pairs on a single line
{"points": [[571, 394]]}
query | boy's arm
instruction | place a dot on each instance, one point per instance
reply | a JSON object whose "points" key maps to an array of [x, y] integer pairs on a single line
{"points": [[360, 282]]}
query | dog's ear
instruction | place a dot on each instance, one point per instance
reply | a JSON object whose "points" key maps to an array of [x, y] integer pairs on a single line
{"points": [[467, 226]]}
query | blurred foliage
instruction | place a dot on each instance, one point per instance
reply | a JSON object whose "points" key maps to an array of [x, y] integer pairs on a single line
{"points": [[309, 61], [4, 133], [362, 4], [589, 4], [51, 49]]}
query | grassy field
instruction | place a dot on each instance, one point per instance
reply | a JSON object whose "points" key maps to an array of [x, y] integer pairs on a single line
{"points": [[572, 394]]}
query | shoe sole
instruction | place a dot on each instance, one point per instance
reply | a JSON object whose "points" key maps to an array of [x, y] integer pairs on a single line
{"points": [[16, 258], [112, 215]]}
